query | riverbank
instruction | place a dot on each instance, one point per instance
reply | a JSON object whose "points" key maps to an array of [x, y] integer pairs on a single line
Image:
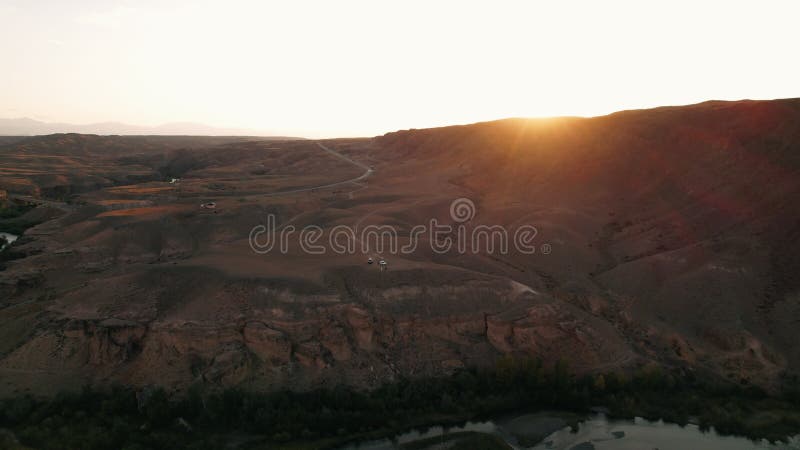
{"points": [[593, 432], [151, 418]]}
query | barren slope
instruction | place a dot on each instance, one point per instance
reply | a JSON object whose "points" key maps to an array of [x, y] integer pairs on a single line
{"points": [[673, 237]]}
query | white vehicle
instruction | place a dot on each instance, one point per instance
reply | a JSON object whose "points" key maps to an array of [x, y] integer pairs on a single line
{"points": [[369, 261]]}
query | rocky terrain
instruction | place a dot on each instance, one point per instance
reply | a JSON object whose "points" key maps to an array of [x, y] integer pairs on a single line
{"points": [[666, 235]]}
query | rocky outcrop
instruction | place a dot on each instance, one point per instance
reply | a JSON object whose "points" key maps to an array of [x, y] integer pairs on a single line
{"points": [[552, 330], [346, 342], [266, 343]]}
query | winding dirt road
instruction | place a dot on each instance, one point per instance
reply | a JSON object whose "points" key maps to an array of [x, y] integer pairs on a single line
{"points": [[367, 172]]}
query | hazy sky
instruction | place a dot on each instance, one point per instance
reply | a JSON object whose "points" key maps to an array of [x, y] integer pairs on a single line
{"points": [[336, 68]]}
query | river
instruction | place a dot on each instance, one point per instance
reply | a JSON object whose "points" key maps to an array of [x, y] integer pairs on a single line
{"points": [[8, 238], [597, 432]]}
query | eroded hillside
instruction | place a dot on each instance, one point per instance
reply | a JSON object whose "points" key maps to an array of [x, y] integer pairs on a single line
{"points": [[666, 234]]}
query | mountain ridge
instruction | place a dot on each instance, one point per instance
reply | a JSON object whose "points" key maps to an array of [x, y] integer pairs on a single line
{"points": [[25, 126]]}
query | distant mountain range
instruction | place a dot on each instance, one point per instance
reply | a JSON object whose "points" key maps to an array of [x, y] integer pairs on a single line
{"points": [[29, 127]]}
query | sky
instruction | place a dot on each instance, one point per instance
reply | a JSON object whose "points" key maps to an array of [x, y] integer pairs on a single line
{"points": [[363, 68]]}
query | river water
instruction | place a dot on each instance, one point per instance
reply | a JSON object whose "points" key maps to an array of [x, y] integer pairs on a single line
{"points": [[8, 238], [601, 433], [597, 432]]}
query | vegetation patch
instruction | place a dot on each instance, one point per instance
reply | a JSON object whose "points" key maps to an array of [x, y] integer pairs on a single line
{"points": [[122, 418], [12, 220]]}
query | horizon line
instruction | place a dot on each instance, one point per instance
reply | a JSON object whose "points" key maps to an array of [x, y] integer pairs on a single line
{"points": [[251, 132]]}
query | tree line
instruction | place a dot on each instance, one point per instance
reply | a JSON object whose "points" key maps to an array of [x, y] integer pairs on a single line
{"points": [[122, 418]]}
